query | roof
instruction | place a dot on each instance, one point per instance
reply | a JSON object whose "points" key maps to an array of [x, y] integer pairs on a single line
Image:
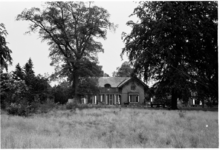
{"points": [[113, 81], [135, 78], [123, 82]]}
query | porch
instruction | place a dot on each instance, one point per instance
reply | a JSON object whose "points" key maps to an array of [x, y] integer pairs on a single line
{"points": [[103, 98]]}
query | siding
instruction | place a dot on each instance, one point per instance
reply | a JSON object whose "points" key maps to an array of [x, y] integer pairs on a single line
{"points": [[127, 89]]}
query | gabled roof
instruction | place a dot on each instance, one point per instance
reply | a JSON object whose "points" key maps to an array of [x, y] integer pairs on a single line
{"points": [[117, 81], [134, 78], [113, 81], [123, 82]]}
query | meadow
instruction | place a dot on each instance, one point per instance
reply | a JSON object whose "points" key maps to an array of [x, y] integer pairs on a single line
{"points": [[111, 128]]}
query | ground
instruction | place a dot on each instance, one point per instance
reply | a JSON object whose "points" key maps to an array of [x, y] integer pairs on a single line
{"points": [[111, 128]]}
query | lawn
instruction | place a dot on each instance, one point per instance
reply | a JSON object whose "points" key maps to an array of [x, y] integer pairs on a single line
{"points": [[111, 128]]}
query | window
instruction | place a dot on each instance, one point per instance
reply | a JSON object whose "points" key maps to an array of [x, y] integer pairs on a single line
{"points": [[101, 98], [133, 98], [107, 86], [95, 99], [110, 99], [119, 100], [107, 99]]}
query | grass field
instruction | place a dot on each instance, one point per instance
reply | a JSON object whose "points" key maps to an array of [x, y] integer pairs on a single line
{"points": [[111, 128]]}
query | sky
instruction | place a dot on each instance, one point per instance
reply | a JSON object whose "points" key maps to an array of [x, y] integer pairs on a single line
{"points": [[25, 46]]}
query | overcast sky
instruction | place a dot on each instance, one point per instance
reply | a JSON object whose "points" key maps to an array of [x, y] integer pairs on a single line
{"points": [[25, 46]]}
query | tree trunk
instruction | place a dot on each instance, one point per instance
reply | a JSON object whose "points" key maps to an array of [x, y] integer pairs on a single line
{"points": [[203, 103], [174, 100], [75, 86]]}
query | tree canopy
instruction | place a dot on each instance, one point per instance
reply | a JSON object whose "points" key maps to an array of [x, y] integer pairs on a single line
{"points": [[5, 52], [71, 29], [22, 91], [19, 73], [124, 71], [175, 43], [37, 84]]}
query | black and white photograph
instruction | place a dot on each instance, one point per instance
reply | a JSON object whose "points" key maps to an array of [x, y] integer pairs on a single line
{"points": [[109, 74]]}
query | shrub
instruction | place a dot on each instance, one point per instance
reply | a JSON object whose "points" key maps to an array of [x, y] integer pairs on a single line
{"points": [[46, 107], [181, 114], [70, 106], [18, 109], [22, 108], [82, 106], [77, 105]]}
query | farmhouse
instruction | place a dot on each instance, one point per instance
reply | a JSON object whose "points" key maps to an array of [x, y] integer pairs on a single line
{"points": [[118, 91]]}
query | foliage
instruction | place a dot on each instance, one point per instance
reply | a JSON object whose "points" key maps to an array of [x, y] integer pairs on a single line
{"points": [[10, 90], [62, 92], [28, 68], [105, 75], [14, 95], [18, 73], [38, 85], [124, 71], [74, 106], [46, 107], [88, 86], [71, 30], [175, 43], [29, 73], [18, 109], [21, 90], [5, 52]]}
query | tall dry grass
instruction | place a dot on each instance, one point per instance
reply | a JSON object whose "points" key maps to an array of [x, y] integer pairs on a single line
{"points": [[111, 128]]}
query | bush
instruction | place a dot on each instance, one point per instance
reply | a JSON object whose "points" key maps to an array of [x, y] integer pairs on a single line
{"points": [[46, 107], [24, 109], [181, 114], [82, 106], [70, 106], [18, 109], [76, 105]]}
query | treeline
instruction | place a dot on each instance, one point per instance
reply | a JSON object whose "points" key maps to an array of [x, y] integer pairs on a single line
{"points": [[22, 91]]}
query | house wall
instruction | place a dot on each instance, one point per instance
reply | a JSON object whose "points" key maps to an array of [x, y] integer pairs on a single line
{"points": [[122, 92], [106, 100], [127, 89]]}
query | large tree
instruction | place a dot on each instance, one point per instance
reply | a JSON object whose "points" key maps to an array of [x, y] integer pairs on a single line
{"points": [[175, 43], [5, 52], [71, 29]]}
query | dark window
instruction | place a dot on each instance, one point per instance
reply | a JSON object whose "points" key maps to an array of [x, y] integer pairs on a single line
{"points": [[134, 98], [107, 85]]}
